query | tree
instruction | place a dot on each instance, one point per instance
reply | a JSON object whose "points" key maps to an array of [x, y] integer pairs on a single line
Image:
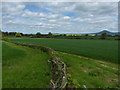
{"points": [[86, 34], [49, 34], [18, 35], [5, 33], [96, 35], [64, 34], [12, 33], [103, 35], [38, 34], [22, 34]]}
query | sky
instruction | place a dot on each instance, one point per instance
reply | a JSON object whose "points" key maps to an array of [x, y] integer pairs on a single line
{"points": [[59, 17]]}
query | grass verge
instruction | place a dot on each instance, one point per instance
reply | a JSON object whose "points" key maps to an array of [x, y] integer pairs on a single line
{"points": [[90, 73]]}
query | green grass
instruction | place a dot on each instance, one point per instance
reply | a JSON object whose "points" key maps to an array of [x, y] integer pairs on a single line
{"points": [[27, 68], [24, 67], [98, 49], [89, 72]]}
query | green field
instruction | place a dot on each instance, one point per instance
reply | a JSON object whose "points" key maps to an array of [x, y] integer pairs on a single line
{"points": [[98, 49], [90, 73], [24, 67], [97, 70]]}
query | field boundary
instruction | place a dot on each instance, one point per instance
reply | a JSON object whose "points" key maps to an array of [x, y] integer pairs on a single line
{"points": [[58, 67]]}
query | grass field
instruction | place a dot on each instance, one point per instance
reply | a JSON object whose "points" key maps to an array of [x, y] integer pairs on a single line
{"points": [[90, 73], [98, 49], [24, 67]]}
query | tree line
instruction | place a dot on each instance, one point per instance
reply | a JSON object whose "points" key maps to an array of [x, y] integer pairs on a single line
{"points": [[50, 35], [17, 34]]}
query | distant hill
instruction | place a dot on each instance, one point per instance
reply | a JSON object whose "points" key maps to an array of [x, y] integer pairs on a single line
{"points": [[98, 33], [107, 32]]}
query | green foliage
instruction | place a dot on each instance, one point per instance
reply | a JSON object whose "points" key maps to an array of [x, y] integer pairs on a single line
{"points": [[98, 49], [49, 34], [24, 67], [18, 35], [72, 81], [5, 38], [38, 34], [86, 34], [103, 36]]}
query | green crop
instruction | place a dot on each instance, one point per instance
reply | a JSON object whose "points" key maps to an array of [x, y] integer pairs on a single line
{"points": [[98, 49]]}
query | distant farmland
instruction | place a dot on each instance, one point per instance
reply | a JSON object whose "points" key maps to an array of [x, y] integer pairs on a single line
{"points": [[98, 49]]}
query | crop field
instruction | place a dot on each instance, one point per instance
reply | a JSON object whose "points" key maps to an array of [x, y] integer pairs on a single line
{"points": [[90, 73], [106, 50], [24, 67]]}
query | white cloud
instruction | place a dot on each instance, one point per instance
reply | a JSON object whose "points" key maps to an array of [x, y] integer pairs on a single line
{"points": [[66, 17], [55, 1], [41, 15], [40, 24], [52, 21], [50, 27], [87, 20], [20, 6], [28, 13], [95, 9], [100, 21], [77, 19], [10, 22], [12, 8], [8, 17], [80, 17], [53, 16]]}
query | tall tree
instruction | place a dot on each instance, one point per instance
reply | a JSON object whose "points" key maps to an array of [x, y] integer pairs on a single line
{"points": [[49, 34], [38, 34]]}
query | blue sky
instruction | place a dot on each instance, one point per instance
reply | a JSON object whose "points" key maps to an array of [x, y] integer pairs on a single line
{"points": [[59, 17]]}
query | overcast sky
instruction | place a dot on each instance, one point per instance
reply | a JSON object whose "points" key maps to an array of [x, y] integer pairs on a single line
{"points": [[59, 17]]}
